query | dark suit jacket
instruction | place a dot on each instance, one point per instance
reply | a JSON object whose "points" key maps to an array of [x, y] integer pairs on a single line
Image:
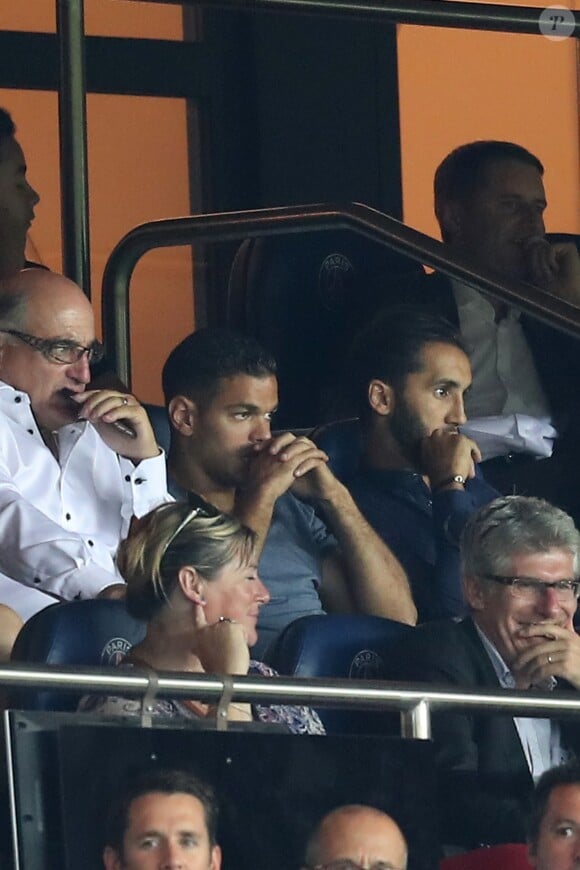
{"points": [[556, 355], [484, 777]]}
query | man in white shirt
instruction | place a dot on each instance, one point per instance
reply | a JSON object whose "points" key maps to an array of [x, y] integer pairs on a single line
{"points": [[520, 561], [490, 202], [71, 478]]}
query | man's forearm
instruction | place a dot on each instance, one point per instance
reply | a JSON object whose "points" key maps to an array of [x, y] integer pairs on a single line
{"points": [[376, 581], [255, 511]]}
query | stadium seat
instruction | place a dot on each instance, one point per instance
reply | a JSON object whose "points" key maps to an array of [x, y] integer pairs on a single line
{"points": [[564, 237], [305, 295], [93, 632], [508, 856], [341, 646], [342, 442], [160, 423]]}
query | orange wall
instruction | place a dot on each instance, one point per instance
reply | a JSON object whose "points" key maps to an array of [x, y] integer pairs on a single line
{"points": [[457, 86], [137, 156]]}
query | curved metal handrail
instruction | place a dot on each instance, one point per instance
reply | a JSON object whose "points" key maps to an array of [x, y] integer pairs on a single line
{"points": [[277, 221], [415, 702], [478, 16]]}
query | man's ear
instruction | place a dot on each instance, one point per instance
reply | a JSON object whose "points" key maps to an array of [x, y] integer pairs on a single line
{"points": [[182, 413], [216, 858], [191, 584], [111, 859], [450, 217], [474, 594], [381, 397]]}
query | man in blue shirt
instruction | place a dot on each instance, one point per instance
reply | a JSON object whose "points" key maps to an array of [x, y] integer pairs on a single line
{"points": [[221, 391], [418, 481]]}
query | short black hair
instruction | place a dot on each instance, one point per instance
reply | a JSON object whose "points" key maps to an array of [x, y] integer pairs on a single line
{"points": [[7, 125], [459, 175], [390, 347], [563, 774], [165, 781], [195, 367]]}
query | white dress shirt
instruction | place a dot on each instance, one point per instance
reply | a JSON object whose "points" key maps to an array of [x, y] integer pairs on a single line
{"points": [[506, 395], [61, 521], [505, 380]]}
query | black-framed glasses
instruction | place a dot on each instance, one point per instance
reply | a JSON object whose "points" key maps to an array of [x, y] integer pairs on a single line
{"points": [[531, 589], [347, 864], [60, 350]]}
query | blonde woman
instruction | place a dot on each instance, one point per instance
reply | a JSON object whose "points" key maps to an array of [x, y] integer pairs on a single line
{"points": [[192, 574]]}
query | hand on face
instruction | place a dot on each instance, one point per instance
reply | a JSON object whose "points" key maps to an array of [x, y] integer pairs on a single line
{"points": [[103, 408], [279, 462], [554, 267], [446, 453], [555, 652], [222, 646]]}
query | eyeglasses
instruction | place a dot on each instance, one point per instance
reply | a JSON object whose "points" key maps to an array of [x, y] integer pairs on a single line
{"points": [[346, 864], [60, 350], [530, 589]]}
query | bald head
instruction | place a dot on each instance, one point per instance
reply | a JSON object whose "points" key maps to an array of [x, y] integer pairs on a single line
{"points": [[360, 834], [43, 295], [43, 305]]}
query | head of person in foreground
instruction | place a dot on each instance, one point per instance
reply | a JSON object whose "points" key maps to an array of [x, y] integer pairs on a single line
{"points": [[163, 819], [356, 837], [191, 573]]}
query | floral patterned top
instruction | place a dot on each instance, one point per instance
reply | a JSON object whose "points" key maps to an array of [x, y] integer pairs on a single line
{"points": [[298, 720]]}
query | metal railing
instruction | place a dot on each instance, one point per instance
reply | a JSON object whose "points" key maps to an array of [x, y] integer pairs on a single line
{"points": [[474, 16], [414, 702], [72, 92], [278, 221]]}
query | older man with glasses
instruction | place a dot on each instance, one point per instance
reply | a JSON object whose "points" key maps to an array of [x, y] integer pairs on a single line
{"points": [[75, 464], [520, 565]]}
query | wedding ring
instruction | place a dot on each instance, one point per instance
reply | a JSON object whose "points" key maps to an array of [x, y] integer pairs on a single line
{"points": [[125, 400], [549, 660], [226, 619]]}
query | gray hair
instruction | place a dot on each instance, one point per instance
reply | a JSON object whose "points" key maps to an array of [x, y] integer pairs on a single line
{"points": [[512, 525]]}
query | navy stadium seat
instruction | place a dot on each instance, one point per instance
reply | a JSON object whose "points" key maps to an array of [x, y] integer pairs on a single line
{"points": [[305, 295], [160, 423], [342, 646], [342, 442], [93, 632]]}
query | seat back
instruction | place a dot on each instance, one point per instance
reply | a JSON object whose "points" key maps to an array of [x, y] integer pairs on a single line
{"points": [[342, 646], [508, 856], [342, 442], [93, 632], [160, 423], [564, 237], [305, 295]]}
